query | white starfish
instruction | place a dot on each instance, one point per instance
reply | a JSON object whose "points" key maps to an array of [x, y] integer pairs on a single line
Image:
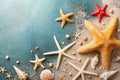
{"points": [[60, 52], [81, 71]]}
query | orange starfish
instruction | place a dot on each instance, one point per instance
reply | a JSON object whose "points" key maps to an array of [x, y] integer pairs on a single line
{"points": [[103, 41], [64, 18]]}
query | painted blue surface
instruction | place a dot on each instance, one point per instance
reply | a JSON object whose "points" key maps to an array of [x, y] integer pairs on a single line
{"points": [[25, 24]]}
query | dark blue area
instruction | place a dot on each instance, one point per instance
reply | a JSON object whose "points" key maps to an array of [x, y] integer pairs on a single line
{"points": [[25, 24]]}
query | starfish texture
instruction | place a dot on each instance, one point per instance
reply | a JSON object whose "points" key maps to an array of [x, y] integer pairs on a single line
{"points": [[60, 52], [2, 69], [64, 18], [8, 75], [100, 12], [38, 62], [81, 71], [103, 41]]}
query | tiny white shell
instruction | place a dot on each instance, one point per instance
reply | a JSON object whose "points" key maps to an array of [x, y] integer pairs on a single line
{"points": [[94, 62], [107, 74], [46, 75]]}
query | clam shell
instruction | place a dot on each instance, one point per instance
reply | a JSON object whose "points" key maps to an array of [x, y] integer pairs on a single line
{"points": [[46, 75]]}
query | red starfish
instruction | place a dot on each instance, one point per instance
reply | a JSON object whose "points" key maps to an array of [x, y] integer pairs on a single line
{"points": [[100, 12]]}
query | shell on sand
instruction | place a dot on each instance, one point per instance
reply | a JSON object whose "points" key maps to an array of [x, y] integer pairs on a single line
{"points": [[21, 74], [46, 75], [107, 74], [94, 62]]}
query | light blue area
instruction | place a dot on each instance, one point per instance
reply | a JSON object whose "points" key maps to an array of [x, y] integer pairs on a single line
{"points": [[25, 24]]}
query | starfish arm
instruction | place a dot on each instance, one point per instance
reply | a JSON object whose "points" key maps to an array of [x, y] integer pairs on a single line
{"points": [[63, 23], [61, 12], [105, 55], [105, 14], [36, 57], [57, 43], [58, 19], [51, 53], [69, 14], [76, 76], [73, 66], [42, 66], [42, 59], [94, 13], [99, 17], [88, 47], [35, 67], [58, 61], [83, 77], [104, 7], [69, 20], [69, 56], [32, 61], [96, 6], [92, 28], [111, 27], [116, 43], [68, 46], [85, 64], [91, 73]]}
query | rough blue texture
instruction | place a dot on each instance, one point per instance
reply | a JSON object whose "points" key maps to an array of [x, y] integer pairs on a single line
{"points": [[25, 24]]}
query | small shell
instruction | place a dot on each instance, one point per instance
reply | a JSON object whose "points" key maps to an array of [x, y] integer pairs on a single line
{"points": [[21, 74], [107, 74], [94, 62], [46, 75]]}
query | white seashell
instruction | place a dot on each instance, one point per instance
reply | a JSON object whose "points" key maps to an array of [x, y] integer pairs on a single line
{"points": [[94, 62], [46, 75], [107, 74], [21, 74]]}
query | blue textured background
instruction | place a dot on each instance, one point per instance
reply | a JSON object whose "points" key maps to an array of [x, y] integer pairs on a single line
{"points": [[25, 24]]}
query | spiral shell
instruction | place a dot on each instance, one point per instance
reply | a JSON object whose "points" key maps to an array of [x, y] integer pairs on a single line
{"points": [[46, 75]]}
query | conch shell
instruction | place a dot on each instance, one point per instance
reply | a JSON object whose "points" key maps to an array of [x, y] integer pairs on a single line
{"points": [[21, 74], [94, 62], [107, 74], [46, 75]]}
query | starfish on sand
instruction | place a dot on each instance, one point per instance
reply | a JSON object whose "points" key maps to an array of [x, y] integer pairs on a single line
{"points": [[77, 35], [38, 62], [60, 52], [82, 71], [104, 41], [64, 18], [100, 12], [8, 75]]}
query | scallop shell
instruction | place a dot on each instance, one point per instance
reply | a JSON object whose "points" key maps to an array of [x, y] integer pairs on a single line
{"points": [[107, 74], [21, 74], [94, 62], [46, 75]]}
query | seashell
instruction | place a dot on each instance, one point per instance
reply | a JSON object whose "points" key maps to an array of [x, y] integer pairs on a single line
{"points": [[21, 74], [46, 75], [94, 62], [107, 74]]}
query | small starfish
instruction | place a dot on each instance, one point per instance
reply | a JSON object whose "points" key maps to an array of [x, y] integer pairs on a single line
{"points": [[64, 18], [2, 69], [100, 12], [82, 71], [77, 35], [38, 62], [103, 41], [60, 52], [8, 75]]}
